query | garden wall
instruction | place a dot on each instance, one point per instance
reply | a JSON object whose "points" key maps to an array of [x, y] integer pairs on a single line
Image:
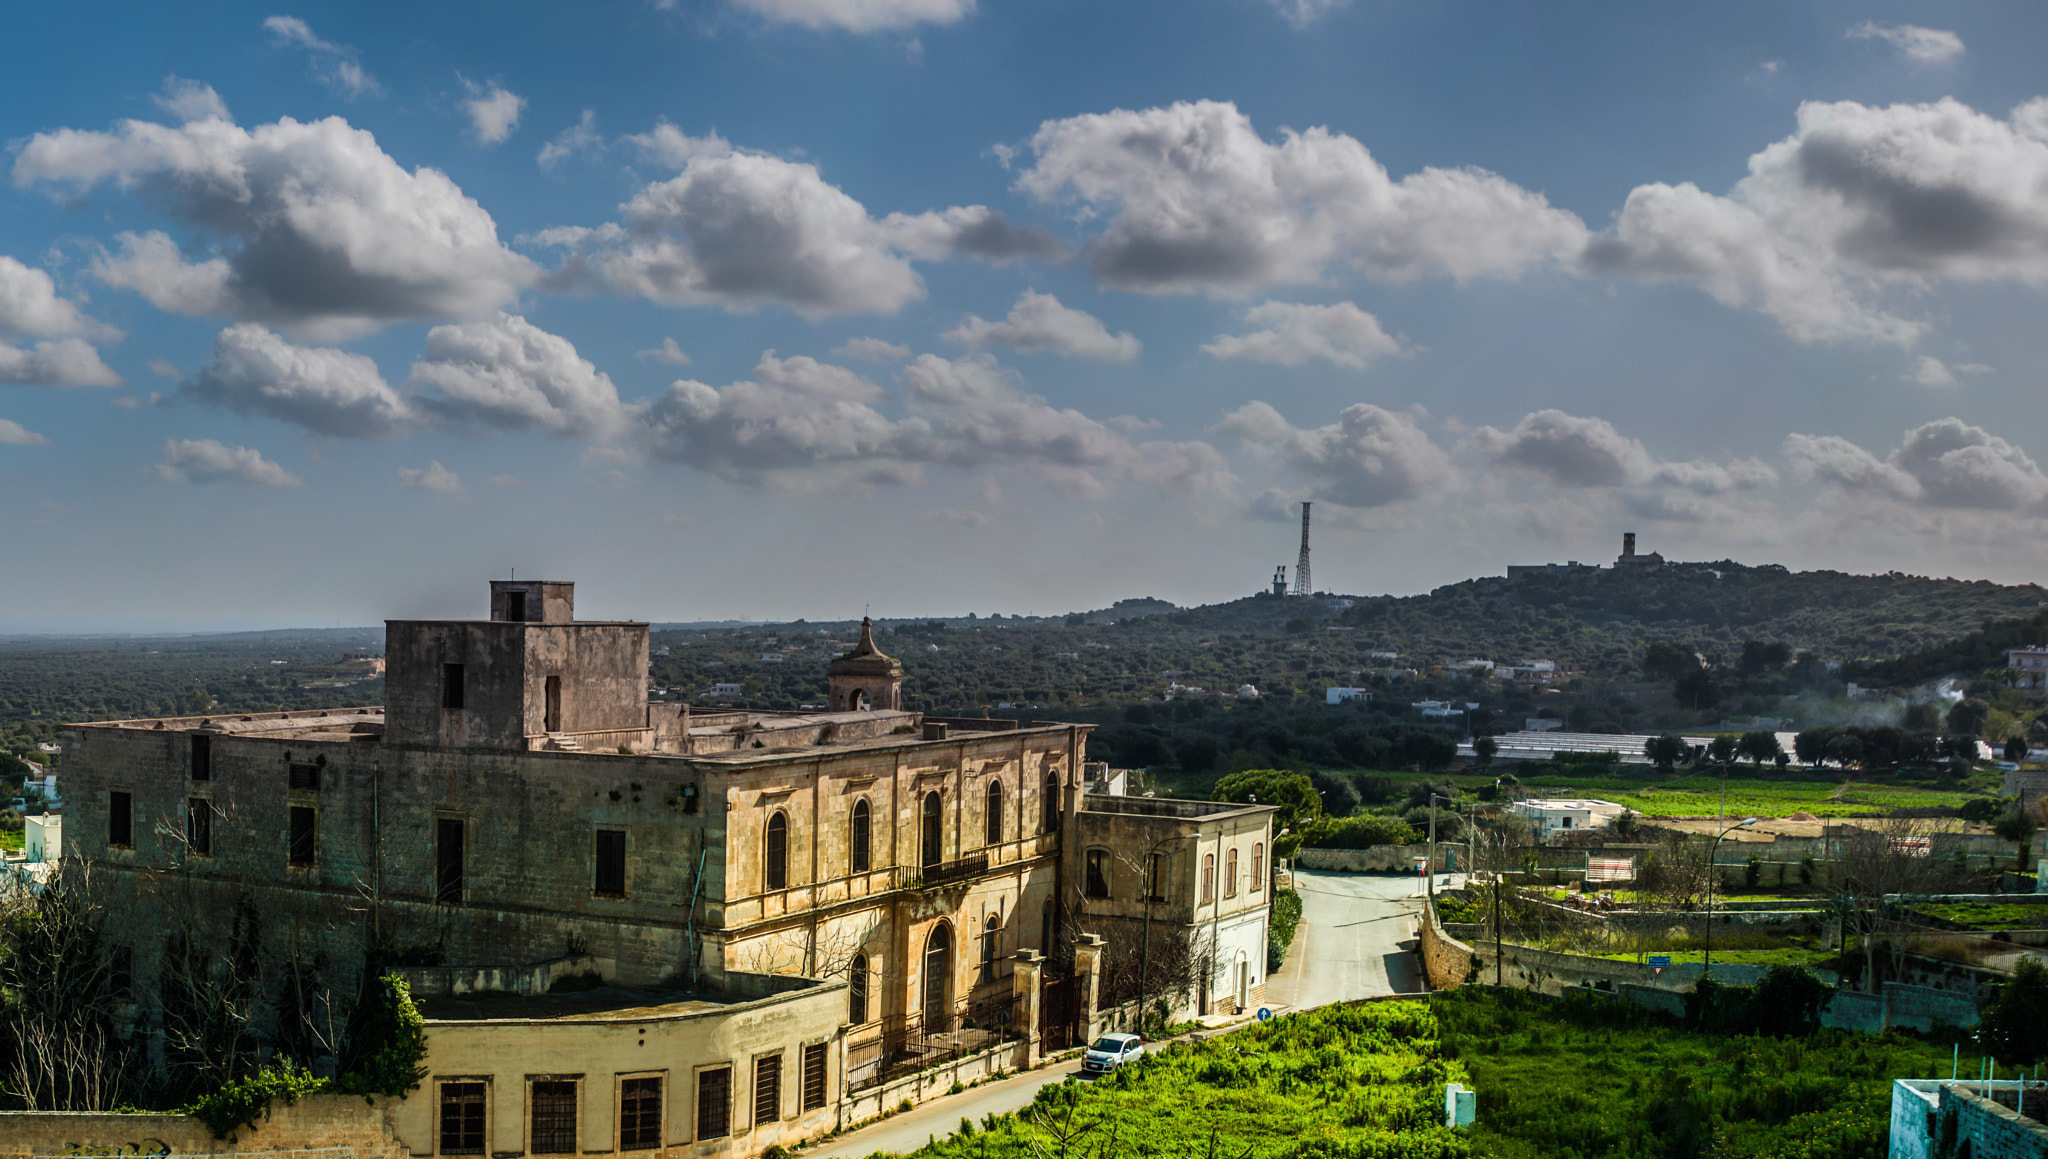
{"points": [[313, 1123], [1380, 858]]}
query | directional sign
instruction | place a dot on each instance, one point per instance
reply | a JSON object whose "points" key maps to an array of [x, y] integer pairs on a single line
{"points": [[1265, 1015], [1660, 960]]}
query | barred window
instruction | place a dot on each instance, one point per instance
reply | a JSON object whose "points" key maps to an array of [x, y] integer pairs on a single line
{"points": [[303, 776], [554, 1117], [462, 1118], [767, 1089], [639, 1114], [814, 1076], [714, 1103]]}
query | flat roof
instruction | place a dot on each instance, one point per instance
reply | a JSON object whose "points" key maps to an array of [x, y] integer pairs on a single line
{"points": [[602, 1004], [338, 720]]}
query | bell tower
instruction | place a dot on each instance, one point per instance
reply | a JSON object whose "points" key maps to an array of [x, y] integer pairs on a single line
{"points": [[865, 679]]}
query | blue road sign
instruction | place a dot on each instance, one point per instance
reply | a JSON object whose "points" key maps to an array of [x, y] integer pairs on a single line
{"points": [[1265, 1015], [1660, 960]]}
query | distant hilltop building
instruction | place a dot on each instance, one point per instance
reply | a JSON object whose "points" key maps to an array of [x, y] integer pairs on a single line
{"points": [[1573, 568], [1629, 558]]}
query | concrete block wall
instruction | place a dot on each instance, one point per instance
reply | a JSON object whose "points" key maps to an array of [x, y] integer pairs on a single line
{"points": [[312, 1123]]}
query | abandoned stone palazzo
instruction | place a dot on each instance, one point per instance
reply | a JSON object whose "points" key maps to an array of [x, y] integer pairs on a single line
{"points": [[693, 931]]}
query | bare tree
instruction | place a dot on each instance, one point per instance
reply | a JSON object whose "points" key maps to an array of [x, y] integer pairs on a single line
{"points": [[1882, 860], [65, 1011]]}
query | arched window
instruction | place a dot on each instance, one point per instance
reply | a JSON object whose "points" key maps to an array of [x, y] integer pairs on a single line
{"points": [[1208, 877], [938, 966], [991, 946], [863, 831], [1051, 820], [932, 846], [995, 812], [1258, 867], [775, 859], [1230, 874], [857, 990]]}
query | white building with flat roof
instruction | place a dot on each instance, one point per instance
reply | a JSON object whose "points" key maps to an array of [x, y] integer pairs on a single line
{"points": [[1566, 814], [1341, 695]]}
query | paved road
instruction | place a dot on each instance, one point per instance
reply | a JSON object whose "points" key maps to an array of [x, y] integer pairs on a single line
{"points": [[1356, 939]]}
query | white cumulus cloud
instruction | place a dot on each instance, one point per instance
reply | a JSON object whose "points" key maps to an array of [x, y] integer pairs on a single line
{"points": [[210, 461], [30, 308], [321, 389], [510, 374], [318, 231], [1918, 45], [1858, 201], [667, 352], [1195, 200], [1039, 323], [740, 230], [579, 138], [190, 100], [1370, 457], [433, 477], [13, 434], [1943, 464], [1296, 333], [334, 65], [871, 350], [1581, 451], [493, 110], [1933, 373], [860, 15]]}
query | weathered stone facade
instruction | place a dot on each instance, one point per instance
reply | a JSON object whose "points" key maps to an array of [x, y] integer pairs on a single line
{"points": [[518, 810]]}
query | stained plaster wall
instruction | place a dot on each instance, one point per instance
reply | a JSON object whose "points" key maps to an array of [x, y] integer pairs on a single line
{"points": [[601, 667], [599, 1051]]}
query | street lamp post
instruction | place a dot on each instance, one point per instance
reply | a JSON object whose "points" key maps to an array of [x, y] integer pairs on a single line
{"points": [[1429, 870], [1712, 873]]}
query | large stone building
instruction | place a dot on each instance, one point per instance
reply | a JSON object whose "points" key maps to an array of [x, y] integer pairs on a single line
{"points": [[785, 909]]}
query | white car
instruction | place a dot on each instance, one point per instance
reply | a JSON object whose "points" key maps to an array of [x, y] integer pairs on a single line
{"points": [[1112, 1051]]}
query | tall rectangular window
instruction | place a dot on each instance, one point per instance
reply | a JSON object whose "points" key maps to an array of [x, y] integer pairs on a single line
{"points": [[451, 686], [121, 820], [611, 863], [714, 1103], [304, 834], [1098, 873], [515, 607], [767, 1089], [199, 826], [1156, 891], [448, 867], [554, 1117], [639, 1114], [202, 757], [814, 1076], [1230, 874], [462, 1118]]}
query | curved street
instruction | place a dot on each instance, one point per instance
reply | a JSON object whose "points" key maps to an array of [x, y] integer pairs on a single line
{"points": [[1356, 940]]}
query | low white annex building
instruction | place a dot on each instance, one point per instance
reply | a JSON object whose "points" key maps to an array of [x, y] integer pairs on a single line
{"points": [[1565, 814]]}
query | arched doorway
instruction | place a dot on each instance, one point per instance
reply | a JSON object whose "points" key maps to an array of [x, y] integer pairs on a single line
{"points": [[938, 973]]}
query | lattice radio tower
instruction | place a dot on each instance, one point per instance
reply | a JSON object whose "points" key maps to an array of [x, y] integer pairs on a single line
{"points": [[1302, 586]]}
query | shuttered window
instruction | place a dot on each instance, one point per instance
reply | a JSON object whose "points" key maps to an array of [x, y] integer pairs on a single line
{"points": [[767, 1089], [814, 1076]]}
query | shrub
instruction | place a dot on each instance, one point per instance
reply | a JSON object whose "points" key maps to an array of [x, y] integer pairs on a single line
{"points": [[242, 1102], [1363, 833], [390, 1041], [1280, 927]]}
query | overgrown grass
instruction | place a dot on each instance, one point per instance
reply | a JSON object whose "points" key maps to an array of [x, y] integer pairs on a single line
{"points": [[1697, 793], [1342, 1082], [1990, 915], [1592, 1078]]}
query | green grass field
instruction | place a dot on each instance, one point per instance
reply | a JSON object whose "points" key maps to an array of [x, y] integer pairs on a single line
{"points": [[1990, 915], [1592, 1078], [11, 838]]}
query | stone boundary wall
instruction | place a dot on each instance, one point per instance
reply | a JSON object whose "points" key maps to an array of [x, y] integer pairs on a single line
{"points": [[858, 1109], [1993, 1131], [1446, 962], [314, 1123], [1377, 858]]}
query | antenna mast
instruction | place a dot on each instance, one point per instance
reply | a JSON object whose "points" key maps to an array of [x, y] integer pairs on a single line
{"points": [[1301, 582]]}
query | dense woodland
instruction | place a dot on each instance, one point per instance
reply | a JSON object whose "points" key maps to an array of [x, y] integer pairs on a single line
{"points": [[1687, 646]]}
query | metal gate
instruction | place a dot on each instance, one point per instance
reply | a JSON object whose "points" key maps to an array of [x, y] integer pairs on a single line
{"points": [[1060, 1013]]}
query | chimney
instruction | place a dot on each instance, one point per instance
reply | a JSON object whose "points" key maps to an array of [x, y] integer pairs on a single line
{"points": [[1628, 544]]}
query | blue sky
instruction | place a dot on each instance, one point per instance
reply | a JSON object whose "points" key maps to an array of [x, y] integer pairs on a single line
{"points": [[778, 308]]}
